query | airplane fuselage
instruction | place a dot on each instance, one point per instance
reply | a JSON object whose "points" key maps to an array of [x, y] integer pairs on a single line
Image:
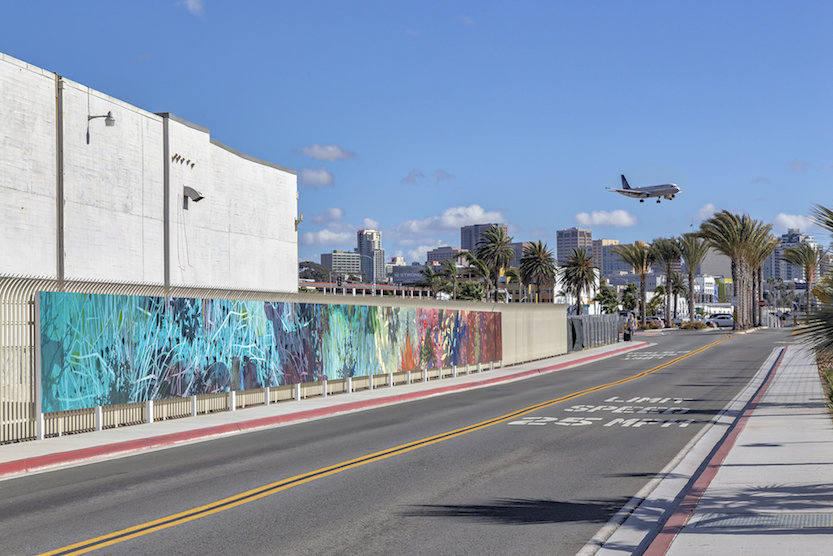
{"points": [[666, 190]]}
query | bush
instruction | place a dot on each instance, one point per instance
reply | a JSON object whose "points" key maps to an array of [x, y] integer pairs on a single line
{"points": [[650, 325], [696, 325]]}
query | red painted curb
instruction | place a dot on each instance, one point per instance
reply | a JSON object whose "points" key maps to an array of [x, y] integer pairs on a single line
{"points": [[662, 542], [75, 456]]}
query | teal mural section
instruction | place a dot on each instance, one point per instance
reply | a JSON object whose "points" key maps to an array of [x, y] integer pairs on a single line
{"points": [[108, 349]]}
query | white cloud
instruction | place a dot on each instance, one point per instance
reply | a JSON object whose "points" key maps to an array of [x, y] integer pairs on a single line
{"points": [[331, 214], [194, 6], [798, 165], [413, 176], [783, 222], [326, 152], [326, 237], [761, 180], [466, 20], [370, 224], [617, 219], [442, 175], [420, 252], [412, 32], [705, 212], [449, 221], [314, 178]]}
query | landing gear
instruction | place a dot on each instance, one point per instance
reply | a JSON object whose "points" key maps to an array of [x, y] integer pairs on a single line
{"points": [[657, 200], [641, 200]]}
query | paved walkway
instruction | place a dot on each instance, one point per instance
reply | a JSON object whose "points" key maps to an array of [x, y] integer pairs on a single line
{"points": [[759, 481]]}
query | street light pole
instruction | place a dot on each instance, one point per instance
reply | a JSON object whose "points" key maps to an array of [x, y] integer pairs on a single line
{"points": [[373, 267]]}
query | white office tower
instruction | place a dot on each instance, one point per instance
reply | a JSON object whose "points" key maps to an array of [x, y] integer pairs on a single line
{"points": [[369, 247]]}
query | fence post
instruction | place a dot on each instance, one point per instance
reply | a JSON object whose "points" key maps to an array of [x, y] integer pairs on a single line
{"points": [[440, 372], [324, 388], [149, 412], [468, 370], [424, 375], [349, 384], [39, 427], [408, 376], [266, 396], [491, 365], [390, 380], [193, 406], [370, 381], [479, 367], [232, 400], [454, 371], [298, 392], [99, 418]]}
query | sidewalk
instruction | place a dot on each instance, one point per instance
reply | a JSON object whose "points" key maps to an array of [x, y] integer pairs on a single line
{"points": [[40, 455], [758, 482]]}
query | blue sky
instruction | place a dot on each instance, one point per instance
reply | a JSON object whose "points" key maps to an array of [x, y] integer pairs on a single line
{"points": [[416, 118]]}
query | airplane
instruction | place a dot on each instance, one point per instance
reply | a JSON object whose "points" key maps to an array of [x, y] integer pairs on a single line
{"points": [[667, 190]]}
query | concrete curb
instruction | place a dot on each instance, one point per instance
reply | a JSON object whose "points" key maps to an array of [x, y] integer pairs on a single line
{"points": [[86, 455]]}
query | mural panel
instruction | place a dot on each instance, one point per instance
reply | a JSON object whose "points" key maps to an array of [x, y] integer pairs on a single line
{"points": [[108, 349]]}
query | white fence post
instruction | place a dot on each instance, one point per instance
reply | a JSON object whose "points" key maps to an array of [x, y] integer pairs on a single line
{"points": [[298, 392], [390, 380], [193, 406], [454, 371], [149, 411], [324, 388], [99, 418], [39, 427], [440, 373], [480, 367], [491, 365], [408, 376], [266, 396], [232, 400], [468, 371], [424, 375], [349, 384], [370, 382]]}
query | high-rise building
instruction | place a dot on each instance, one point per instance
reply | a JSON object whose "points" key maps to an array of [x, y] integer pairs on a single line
{"points": [[518, 248], [609, 263], [444, 253], [470, 235], [775, 267], [572, 238], [344, 263], [369, 247]]}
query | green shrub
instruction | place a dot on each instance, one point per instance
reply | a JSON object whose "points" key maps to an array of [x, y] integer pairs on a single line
{"points": [[696, 325]]}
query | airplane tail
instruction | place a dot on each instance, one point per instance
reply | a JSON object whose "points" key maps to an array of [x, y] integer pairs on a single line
{"points": [[625, 183]]}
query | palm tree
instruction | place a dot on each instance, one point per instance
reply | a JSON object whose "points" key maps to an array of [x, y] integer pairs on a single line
{"points": [[758, 257], [667, 252], [641, 257], [630, 297], [494, 248], [808, 258], [819, 329], [608, 299], [479, 270], [538, 265], [513, 274], [430, 279], [677, 288], [693, 251], [579, 275], [735, 236], [450, 269]]}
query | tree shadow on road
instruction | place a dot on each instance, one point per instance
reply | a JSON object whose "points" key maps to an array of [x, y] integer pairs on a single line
{"points": [[524, 511]]}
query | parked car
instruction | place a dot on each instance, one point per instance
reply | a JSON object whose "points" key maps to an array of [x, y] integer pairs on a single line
{"points": [[720, 321], [654, 322]]}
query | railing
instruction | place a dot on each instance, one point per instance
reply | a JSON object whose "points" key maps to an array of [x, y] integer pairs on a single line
{"points": [[99, 418], [589, 331]]}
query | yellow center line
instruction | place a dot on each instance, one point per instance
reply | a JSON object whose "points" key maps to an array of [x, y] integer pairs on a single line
{"points": [[284, 484]]}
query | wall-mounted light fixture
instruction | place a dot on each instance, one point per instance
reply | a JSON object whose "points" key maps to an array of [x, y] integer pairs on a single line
{"points": [[109, 120], [190, 193]]}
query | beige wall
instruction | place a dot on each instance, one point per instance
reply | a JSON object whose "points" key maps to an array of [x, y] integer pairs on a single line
{"points": [[531, 331]]}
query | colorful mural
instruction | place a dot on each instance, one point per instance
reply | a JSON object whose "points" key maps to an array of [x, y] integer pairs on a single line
{"points": [[109, 349]]}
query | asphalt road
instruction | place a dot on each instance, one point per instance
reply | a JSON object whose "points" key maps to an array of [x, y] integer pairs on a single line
{"points": [[541, 482]]}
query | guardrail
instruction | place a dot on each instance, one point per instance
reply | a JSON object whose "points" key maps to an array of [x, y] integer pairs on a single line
{"points": [[76, 421]]}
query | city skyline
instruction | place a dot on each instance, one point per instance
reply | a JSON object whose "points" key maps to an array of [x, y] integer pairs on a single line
{"points": [[415, 120]]}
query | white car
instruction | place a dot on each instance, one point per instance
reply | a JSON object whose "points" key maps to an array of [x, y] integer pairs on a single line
{"points": [[721, 321]]}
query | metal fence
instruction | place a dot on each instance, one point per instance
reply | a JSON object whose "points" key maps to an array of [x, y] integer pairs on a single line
{"points": [[21, 420], [589, 331]]}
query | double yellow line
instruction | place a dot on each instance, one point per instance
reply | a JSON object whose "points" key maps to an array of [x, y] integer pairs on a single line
{"points": [[267, 490]]}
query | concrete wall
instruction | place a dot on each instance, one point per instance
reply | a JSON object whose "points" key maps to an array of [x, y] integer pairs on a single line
{"points": [[113, 181], [27, 169]]}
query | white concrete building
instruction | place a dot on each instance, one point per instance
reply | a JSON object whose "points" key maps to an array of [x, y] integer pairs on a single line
{"points": [[93, 188]]}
